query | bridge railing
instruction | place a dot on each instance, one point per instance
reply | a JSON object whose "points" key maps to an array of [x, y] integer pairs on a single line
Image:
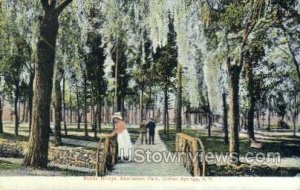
{"points": [[193, 148], [107, 153]]}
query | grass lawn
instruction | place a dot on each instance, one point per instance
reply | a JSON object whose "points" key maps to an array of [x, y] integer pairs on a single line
{"points": [[287, 148], [216, 144], [7, 166], [4, 165], [134, 134]]}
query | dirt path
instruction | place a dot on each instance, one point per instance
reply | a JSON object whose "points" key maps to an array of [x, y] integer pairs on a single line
{"points": [[152, 168]]}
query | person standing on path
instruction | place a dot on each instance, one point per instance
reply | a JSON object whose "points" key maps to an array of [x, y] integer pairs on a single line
{"points": [[124, 142], [151, 129], [143, 131]]}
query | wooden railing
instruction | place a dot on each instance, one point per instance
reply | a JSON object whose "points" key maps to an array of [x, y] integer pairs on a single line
{"points": [[107, 153], [192, 148]]}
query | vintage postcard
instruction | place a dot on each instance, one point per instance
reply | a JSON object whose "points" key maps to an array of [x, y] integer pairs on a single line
{"points": [[150, 94]]}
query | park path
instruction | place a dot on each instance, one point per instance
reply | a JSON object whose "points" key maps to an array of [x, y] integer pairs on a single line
{"points": [[149, 168]]}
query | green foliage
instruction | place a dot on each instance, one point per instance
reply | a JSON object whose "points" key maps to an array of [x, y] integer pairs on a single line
{"points": [[94, 61], [233, 17], [280, 105], [14, 55], [9, 166], [165, 59]]}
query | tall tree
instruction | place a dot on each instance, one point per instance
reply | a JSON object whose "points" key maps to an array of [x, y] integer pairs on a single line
{"points": [[179, 99], [37, 155], [235, 17], [12, 70], [165, 60], [252, 58], [57, 102], [95, 72]]}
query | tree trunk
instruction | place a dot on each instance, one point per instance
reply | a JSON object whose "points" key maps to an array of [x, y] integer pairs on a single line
{"points": [[24, 111], [225, 119], [1, 114], [136, 114], [70, 107], [106, 111], [98, 110], [30, 93], [165, 108], [85, 108], [234, 75], [295, 113], [58, 74], [64, 104], [37, 154], [148, 111], [188, 115], [168, 120], [179, 99], [251, 91], [245, 120], [100, 117], [19, 109], [209, 117], [257, 118], [116, 82], [122, 99], [250, 123], [94, 115], [99, 107], [78, 107], [142, 105], [200, 119], [17, 93]]}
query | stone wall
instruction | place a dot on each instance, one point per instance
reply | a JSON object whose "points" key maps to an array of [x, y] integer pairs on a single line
{"points": [[11, 150], [73, 156], [10, 147]]}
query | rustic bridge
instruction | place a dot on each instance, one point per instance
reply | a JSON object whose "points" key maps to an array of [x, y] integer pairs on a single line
{"points": [[193, 146], [184, 144]]}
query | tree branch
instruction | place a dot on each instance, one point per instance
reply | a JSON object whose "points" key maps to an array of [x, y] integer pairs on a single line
{"points": [[53, 3], [62, 6], [45, 3], [291, 51]]}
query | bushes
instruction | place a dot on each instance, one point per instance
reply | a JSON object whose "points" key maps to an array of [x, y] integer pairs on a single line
{"points": [[283, 125]]}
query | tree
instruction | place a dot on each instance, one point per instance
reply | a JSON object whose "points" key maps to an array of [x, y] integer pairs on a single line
{"points": [[57, 102], [179, 99], [120, 72], [225, 118], [94, 61], [165, 60], [294, 108], [12, 69], [280, 106], [286, 17], [142, 74], [37, 154], [253, 56], [235, 17]]}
